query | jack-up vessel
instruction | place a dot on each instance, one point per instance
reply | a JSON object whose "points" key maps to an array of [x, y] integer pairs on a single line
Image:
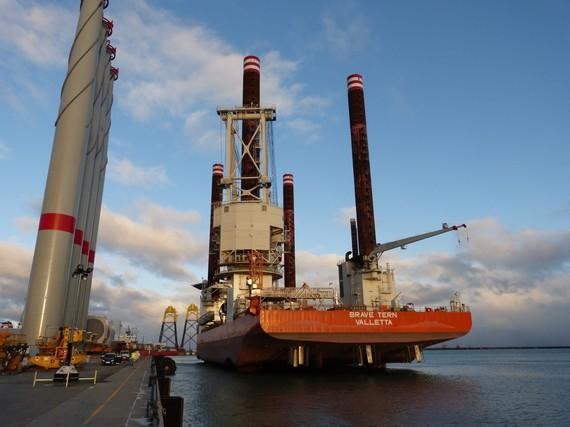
{"points": [[249, 321]]}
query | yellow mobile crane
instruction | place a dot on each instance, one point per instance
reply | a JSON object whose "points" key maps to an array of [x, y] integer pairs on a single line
{"points": [[13, 348], [52, 351]]}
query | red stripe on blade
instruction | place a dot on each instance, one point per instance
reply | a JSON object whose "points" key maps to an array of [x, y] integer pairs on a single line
{"points": [[55, 221], [78, 237]]}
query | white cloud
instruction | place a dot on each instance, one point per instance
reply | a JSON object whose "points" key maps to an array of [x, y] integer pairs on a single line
{"points": [[278, 88], [276, 71], [317, 270], [15, 263], [195, 120], [185, 70], [117, 298], [36, 30], [528, 251], [200, 127], [158, 215], [172, 67], [161, 248], [169, 66], [124, 172], [115, 292]]}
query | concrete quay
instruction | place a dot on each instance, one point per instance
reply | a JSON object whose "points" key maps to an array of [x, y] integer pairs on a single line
{"points": [[119, 398]]}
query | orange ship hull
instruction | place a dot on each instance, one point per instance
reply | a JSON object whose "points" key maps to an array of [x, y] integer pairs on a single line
{"points": [[329, 338]]}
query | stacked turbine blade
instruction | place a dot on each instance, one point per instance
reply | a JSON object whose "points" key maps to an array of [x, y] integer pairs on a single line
{"points": [[57, 295], [81, 248], [95, 200]]}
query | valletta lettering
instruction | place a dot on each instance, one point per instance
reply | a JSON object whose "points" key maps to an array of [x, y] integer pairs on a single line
{"points": [[373, 318]]}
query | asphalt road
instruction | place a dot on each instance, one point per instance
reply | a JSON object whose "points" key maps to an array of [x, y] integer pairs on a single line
{"points": [[118, 398]]}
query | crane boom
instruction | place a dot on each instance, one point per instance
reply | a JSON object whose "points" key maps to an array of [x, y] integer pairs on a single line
{"points": [[383, 247]]}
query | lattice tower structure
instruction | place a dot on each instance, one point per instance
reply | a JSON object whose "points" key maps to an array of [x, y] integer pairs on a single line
{"points": [[168, 332], [190, 332]]}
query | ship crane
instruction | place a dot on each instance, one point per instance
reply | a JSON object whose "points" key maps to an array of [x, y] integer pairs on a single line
{"points": [[364, 283], [402, 243]]}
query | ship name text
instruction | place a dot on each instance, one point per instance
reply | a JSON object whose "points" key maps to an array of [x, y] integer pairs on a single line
{"points": [[373, 318]]}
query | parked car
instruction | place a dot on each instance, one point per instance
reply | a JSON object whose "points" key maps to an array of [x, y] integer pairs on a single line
{"points": [[6, 325], [110, 359]]}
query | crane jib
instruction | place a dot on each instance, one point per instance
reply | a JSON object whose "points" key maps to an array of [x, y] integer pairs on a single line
{"points": [[383, 247]]}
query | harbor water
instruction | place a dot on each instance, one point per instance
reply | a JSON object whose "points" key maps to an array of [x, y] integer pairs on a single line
{"points": [[453, 387]]}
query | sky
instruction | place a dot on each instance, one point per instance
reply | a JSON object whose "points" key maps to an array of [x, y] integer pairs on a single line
{"points": [[468, 112]]}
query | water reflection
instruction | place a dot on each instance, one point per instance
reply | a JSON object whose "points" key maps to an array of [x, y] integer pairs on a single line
{"points": [[218, 397]]}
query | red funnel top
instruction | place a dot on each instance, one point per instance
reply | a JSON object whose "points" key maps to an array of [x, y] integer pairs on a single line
{"points": [[355, 81], [218, 169], [251, 63]]}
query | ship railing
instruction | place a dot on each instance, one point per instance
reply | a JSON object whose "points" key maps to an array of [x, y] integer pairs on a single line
{"points": [[409, 307], [240, 264], [460, 308], [463, 308], [305, 293], [303, 298], [328, 304], [318, 305]]}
